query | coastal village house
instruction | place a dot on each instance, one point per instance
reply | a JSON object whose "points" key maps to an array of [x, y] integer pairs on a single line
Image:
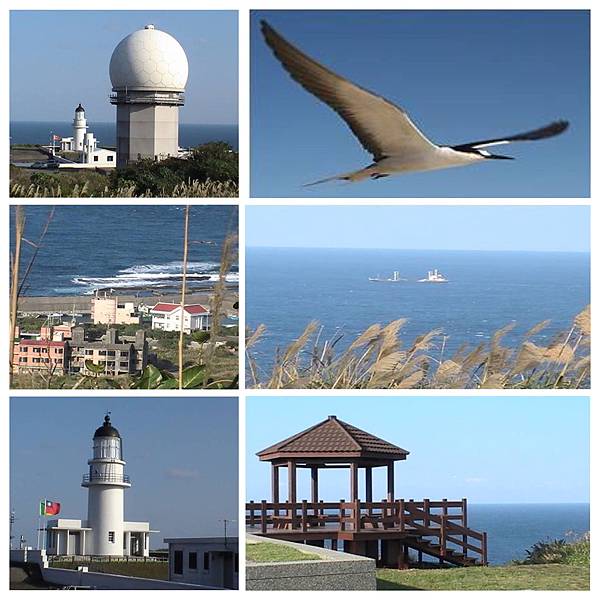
{"points": [[65, 350], [108, 310], [120, 357], [168, 317], [41, 355], [212, 561]]}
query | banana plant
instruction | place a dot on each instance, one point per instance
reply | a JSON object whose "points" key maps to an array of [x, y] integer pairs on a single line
{"points": [[194, 377]]}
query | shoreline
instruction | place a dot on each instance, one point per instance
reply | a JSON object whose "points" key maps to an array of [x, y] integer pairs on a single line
{"points": [[67, 304]]}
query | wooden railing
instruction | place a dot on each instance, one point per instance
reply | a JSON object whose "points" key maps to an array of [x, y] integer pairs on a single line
{"points": [[441, 524]]}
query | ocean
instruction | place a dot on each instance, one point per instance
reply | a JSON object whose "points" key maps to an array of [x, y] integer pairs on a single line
{"points": [[39, 132], [287, 288], [513, 528], [122, 246]]}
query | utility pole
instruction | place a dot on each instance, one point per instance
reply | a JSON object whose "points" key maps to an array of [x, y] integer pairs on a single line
{"points": [[12, 522], [225, 521]]}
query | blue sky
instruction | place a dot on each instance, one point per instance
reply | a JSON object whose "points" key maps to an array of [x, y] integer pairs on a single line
{"points": [[513, 449], [60, 58], [461, 75], [181, 453], [527, 228]]}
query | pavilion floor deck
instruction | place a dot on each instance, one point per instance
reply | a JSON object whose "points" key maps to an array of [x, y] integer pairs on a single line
{"points": [[435, 528]]}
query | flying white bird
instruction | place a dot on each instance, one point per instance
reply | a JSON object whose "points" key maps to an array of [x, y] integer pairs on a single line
{"points": [[384, 129]]}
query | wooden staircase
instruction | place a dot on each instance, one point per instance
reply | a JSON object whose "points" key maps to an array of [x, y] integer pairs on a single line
{"points": [[440, 536]]}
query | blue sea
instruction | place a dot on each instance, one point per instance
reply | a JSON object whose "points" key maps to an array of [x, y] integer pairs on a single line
{"points": [[39, 132], [287, 288], [513, 528], [121, 246]]}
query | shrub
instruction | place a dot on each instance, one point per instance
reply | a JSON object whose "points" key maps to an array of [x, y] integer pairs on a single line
{"points": [[376, 359]]}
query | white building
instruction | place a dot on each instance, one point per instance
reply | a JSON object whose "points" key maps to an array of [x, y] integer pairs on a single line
{"points": [[148, 72], [168, 317], [105, 532], [86, 146], [212, 561], [108, 310]]}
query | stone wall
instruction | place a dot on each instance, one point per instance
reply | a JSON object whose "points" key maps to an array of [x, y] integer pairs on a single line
{"points": [[335, 571]]}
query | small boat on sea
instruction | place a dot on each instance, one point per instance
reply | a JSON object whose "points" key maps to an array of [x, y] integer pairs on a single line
{"points": [[433, 277], [393, 279]]}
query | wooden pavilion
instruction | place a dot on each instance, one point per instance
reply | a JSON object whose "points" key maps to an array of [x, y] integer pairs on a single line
{"points": [[384, 530]]}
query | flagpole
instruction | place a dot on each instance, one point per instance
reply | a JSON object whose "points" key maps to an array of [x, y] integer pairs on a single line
{"points": [[39, 524]]}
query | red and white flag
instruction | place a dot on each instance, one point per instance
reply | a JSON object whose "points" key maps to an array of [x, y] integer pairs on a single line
{"points": [[56, 138], [49, 508]]}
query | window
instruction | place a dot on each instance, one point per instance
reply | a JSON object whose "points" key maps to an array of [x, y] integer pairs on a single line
{"points": [[95, 159], [111, 537], [206, 565], [109, 158], [178, 562], [193, 561]]}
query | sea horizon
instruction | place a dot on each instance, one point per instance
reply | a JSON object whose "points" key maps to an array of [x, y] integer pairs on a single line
{"points": [[190, 134], [368, 248]]}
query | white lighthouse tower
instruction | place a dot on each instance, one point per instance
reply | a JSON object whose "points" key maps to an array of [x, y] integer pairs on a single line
{"points": [[148, 72], [106, 482], [79, 129]]}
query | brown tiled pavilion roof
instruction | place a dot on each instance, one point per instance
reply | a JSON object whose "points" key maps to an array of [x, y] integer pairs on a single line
{"points": [[333, 438]]}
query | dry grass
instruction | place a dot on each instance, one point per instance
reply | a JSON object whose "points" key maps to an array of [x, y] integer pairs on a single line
{"points": [[191, 189], [376, 359]]}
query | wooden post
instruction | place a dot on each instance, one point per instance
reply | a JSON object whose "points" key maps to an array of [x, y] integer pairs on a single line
{"points": [[443, 539], [353, 481], [304, 520], [426, 510], [356, 511], [390, 481], [314, 488], [465, 537], [369, 484], [484, 558], [275, 483], [263, 516], [342, 515], [291, 481], [401, 516], [251, 513]]}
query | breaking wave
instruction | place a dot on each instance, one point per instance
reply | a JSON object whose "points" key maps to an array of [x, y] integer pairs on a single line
{"points": [[154, 276]]}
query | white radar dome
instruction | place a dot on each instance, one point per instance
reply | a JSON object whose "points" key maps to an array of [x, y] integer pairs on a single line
{"points": [[149, 59]]}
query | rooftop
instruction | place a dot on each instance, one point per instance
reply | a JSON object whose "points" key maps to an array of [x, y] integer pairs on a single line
{"points": [[333, 439], [192, 309]]}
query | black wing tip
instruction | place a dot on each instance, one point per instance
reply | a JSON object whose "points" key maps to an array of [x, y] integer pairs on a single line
{"points": [[559, 126]]}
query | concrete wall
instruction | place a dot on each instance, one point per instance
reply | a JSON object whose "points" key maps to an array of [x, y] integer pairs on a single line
{"points": [[335, 571], [65, 577], [221, 568]]}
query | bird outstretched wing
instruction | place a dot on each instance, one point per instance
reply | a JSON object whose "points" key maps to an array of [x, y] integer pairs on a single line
{"points": [[383, 128], [541, 133]]}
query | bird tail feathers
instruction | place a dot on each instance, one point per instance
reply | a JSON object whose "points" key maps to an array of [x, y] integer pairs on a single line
{"points": [[352, 177]]}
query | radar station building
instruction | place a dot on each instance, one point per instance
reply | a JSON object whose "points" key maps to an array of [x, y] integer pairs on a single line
{"points": [[148, 73]]}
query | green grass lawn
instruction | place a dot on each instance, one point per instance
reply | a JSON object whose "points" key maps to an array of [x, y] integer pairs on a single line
{"points": [[267, 552], [518, 577], [146, 570]]}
